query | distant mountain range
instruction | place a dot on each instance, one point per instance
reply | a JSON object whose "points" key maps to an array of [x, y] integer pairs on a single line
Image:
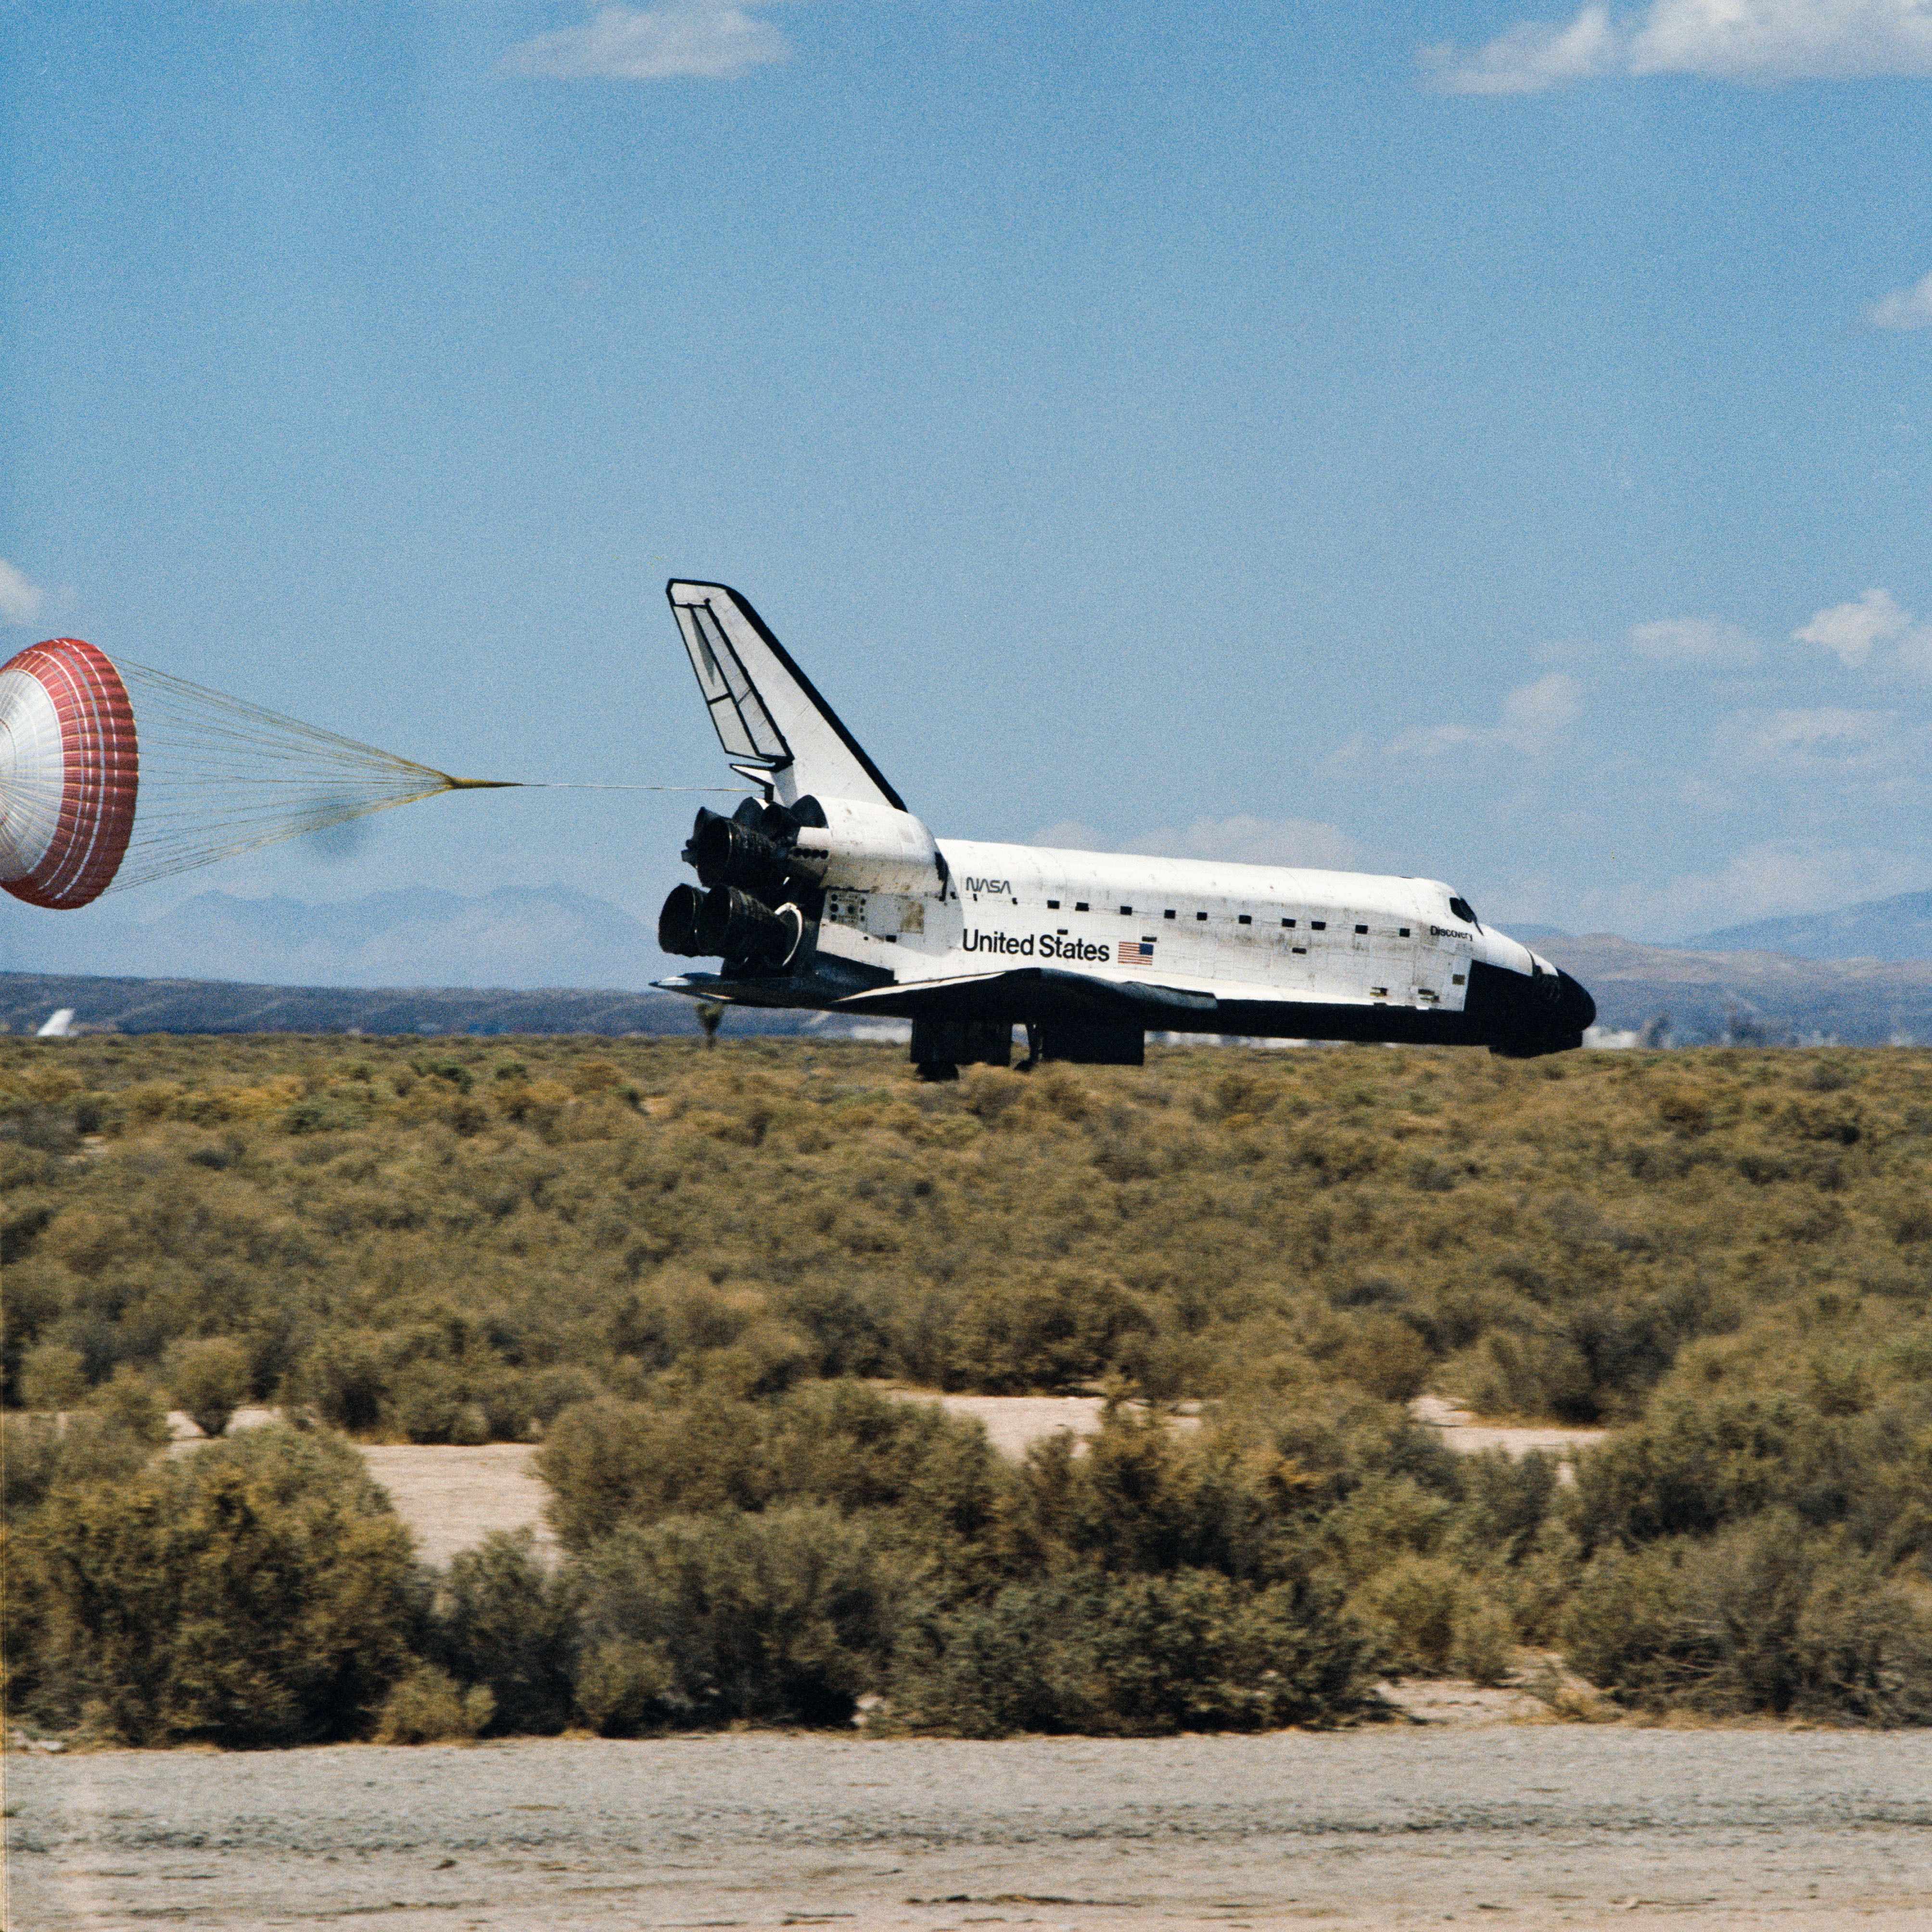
{"points": [[1676, 997], [1861, 976], [515, 936], [518, 959], [1900, 927], [222, 1005]]}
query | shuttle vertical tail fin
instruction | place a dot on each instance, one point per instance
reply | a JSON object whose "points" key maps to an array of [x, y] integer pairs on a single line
{"points": [[775, 728]]}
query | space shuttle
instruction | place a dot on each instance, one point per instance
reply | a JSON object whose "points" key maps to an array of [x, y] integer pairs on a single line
{"points": [[825, 891]]}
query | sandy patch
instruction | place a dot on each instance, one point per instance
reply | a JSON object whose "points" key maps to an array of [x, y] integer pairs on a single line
{"points": [[1462, 1433], [452, 1498], [1015, 1422]]}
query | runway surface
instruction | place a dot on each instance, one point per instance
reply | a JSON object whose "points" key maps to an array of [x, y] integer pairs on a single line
{"points": [[1395, 1826]]}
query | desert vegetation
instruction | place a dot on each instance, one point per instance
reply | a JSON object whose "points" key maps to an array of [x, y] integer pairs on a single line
{"points": [[678, 1270]]}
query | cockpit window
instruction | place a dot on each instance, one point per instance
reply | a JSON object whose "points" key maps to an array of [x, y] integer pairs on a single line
{"points": [[1462, 909]]}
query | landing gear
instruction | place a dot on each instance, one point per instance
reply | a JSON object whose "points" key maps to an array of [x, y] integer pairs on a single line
{"points": [[1084, 1045], [940, 1047]]}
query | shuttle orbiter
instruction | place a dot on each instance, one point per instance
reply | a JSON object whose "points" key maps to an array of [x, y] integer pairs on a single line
{"points": [[828, 893]]}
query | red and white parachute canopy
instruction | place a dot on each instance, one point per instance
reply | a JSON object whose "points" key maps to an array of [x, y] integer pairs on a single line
{"points": [[84, 806], [69, 769]]}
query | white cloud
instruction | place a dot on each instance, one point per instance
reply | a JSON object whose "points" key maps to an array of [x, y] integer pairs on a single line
{"points": [[711, 38], [1240, 840], [1903, 308], [1254, 841], [1857, 634], [21, 601], [1759, 41], [1535, 715], [1534, 718], [1071, 835], [1823, 742], [1693, 640], [1529, 58], [1761, 882]]}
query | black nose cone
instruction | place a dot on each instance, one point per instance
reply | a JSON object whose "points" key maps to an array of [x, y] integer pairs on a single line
{"points": [[1523, 1015], [1579, 1010]]}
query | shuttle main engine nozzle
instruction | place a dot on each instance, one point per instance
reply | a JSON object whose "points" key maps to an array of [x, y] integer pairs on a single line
{"points": [[728, 853], [736, 926], [677, 923]]}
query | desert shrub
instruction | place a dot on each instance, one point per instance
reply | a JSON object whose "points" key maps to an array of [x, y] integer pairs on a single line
{"points": [[1596, 1363], [782, 1617], [840, 1443], [1505, 1502], [1696, 1464], [505, 1624], [1135, 1656], [844, 1444], [1419, 1603], [29, 1453], [1052, 1333], [34, 1301], [258, 1591], [91, 1446], [1142, 1498], [767, 1359], [607, 1463], [431, 1401], [548, 1392], [347, 1379], [52, 1377], [430, 1707], [1721, 1254], [1386, 1357], [129, 1403], [1267, 1494], [209, 1379], [1485, 1642], [427, 1385], [1764, 1616], [38, 1456], [774, 1213], [625, 1687], [847, 1331]]}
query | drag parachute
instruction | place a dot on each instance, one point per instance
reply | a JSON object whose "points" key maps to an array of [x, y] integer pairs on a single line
{"points": [[85, 804], [69, 772]]}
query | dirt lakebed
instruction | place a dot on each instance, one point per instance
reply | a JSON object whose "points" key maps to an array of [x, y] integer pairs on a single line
{"points": [[1393, 1826]]}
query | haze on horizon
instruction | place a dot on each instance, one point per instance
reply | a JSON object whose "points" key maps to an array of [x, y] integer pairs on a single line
{"points": [[1205, 431]]}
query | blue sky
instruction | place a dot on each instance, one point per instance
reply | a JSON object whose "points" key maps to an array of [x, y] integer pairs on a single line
{"points": [[1469, 441]]}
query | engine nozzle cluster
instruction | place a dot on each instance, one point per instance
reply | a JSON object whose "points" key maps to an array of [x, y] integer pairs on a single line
{"points": [[726, 922], [743, 908], [728, 853]]}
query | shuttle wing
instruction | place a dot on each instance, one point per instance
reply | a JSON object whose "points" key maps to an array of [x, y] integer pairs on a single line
{"points": [[1119, 990], [1101, 991], [775, 728]]}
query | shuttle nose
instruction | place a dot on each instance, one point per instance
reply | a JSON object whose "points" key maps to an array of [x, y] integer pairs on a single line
{"points": [[1544, 1011], [1579, 1010]]}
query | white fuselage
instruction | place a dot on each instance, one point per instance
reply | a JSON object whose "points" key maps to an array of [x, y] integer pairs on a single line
{"points": [[1234, 931]]}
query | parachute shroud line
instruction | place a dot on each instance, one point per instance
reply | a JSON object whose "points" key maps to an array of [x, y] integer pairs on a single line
{"points": [[84, 808]]}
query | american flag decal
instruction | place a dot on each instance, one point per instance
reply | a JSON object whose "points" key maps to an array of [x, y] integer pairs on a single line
{"points": [[1136, 952]]}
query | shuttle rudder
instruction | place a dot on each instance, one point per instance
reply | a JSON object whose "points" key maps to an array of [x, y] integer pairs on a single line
{"points": [[773, 724]]}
